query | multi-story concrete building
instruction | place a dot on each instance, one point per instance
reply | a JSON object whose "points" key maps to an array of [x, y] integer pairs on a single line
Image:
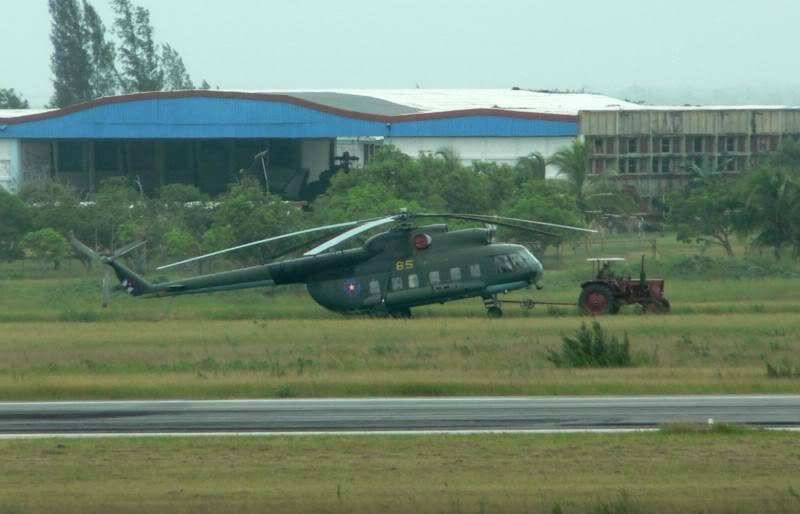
{"points": [[654, 148]]}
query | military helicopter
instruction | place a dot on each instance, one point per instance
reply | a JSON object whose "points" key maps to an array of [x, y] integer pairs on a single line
{"points": [[404, 267]]}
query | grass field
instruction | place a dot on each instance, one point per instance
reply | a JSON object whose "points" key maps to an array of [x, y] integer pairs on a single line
{"points": [[57, 342], [738, 472], [697, 353]]}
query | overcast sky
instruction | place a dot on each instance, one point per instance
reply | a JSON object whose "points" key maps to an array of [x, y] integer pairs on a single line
{"points": [[660, 50]]}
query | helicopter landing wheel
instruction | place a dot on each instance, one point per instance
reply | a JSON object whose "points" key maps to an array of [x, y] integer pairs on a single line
{"points": [[401, 313], [493, 309], [494, 312]]}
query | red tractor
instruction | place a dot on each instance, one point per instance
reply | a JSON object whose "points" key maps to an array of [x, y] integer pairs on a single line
{"points": [[606, 293]]}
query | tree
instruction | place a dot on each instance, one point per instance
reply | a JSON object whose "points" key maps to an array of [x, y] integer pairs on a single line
{"points": [[550, 201], [592, 192], [14, 222], [46, 244], [787, 156], [118, 212], [706, 211], [55, 205], [141, 67], [103, 78], [175, 75], [571, 162], [531, 167], [361, 201], [10, 99], [246, 214], [70, 61], [772, 209]]}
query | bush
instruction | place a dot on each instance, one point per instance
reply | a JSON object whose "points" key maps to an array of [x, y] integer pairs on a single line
{"points": [[592, 349], [783, 370]]}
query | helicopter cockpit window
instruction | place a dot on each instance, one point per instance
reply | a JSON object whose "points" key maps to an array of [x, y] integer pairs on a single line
{"points": [[517, 261], [455, 273], [503, 264], [433, 277], [397, 283], [413, 281], [475, 270], [374, 287]]}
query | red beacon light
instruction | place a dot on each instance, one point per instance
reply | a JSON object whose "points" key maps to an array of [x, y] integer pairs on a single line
{"points": [[422, 241]]}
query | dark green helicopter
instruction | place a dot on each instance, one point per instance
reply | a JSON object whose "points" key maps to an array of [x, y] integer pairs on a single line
{"points": [[404, 267]]}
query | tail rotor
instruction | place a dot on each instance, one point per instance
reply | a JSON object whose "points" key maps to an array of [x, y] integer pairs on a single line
{"points": [[105, 258]]}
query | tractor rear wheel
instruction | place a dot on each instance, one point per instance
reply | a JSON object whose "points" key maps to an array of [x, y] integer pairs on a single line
{"points": [[656, 306], [597, 300]]}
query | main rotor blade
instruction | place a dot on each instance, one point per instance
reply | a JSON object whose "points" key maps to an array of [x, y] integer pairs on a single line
{"points": [[344, 236], [85, 250], [494, 219], [127, 249], [262, 241]]}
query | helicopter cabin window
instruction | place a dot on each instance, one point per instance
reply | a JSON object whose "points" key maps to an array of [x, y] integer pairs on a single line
{"points": [[455, 273], [374, 287], [475, 270], [503, 264], [397, 283], [517, 261], [413, 281], [433, 277]]}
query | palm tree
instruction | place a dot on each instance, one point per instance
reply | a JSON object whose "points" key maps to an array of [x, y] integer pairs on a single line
{"points": [[772, 210], [571, 162], [532, 166], [592, 192]]}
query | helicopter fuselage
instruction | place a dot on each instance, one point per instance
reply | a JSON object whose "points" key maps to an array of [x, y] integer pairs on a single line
{"points": [[412, 267], [392, 272]]}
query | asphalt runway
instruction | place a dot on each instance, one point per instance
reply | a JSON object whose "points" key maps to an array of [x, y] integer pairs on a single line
{"points": [[392, 414]]}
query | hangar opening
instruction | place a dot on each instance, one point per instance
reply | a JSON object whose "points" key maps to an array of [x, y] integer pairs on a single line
{"points": [[293, 166]]}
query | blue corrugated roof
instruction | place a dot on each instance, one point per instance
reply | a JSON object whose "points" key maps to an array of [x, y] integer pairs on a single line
{"points": [[202, 115]]}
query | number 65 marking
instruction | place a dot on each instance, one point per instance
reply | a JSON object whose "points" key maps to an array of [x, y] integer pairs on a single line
{"points": [[404, 265]]}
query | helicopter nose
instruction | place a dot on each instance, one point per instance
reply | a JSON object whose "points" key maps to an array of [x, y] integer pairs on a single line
{"points": [[537, 270]]}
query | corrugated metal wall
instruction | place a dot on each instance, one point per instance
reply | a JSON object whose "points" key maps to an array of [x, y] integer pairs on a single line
{"points": [[215, 118]]}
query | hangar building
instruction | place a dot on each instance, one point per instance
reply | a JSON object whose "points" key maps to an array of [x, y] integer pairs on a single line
{"points": [[204, 137]]}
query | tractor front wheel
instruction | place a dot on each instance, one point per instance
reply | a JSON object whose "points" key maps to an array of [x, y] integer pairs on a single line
{"points": [[597, 300]]}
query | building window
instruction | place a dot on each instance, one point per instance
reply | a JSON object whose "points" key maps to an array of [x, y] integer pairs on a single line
{"points": [[728, 164], [455, 274], [633, 146], [628, 165], [475, 270], [413, 281], [599, 147], [697, 144], [397, 283], [666, 145], [433, 277], [374, 287], [730, 144], [369, 152]]}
